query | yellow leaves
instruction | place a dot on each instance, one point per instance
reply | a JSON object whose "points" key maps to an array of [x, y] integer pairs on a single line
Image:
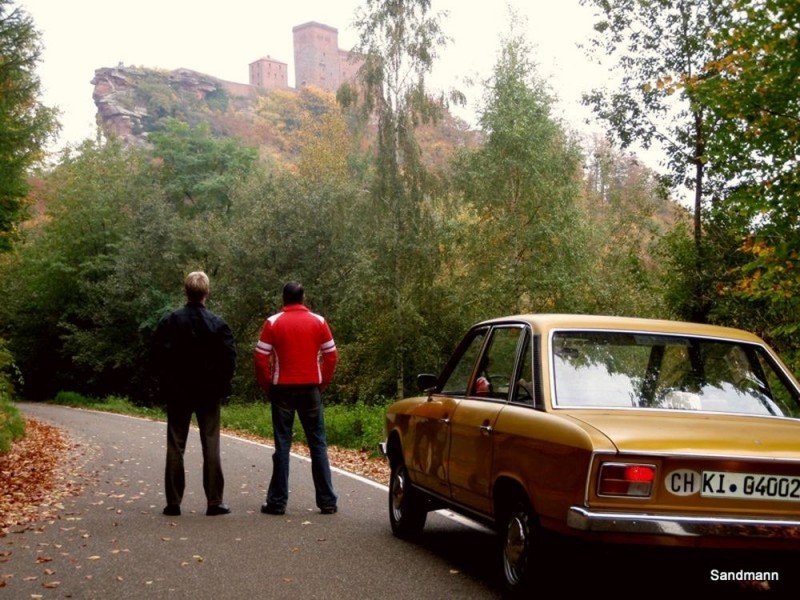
{"points": [[667, 85]]}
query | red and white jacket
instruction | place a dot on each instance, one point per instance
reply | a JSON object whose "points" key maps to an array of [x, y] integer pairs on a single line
{"points": [[295, 347]]}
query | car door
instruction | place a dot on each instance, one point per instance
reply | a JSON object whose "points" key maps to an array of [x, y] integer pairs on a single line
{"points": [[472, 423], [431, 420]]}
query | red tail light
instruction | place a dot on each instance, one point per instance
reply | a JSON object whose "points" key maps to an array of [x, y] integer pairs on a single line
{"points": [[623, 479]]}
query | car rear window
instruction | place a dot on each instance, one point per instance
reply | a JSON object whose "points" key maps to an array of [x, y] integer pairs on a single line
{"points": [[621, 369]]}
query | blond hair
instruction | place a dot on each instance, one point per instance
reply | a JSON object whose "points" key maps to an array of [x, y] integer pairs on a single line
{"points": [[196, 286]]}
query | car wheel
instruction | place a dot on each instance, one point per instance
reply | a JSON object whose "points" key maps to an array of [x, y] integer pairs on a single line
{"points": [[407, 511], [519, 537]]}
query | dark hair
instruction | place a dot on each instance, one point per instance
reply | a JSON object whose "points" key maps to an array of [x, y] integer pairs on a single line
{"points": [[293, 293]]}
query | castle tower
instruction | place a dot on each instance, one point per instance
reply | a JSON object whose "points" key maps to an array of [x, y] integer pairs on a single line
{"points": [[269, 74], [316, 56]]}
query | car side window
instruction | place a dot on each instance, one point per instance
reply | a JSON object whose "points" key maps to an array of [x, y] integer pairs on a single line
{"points": [[461, 372], [496, 366]]}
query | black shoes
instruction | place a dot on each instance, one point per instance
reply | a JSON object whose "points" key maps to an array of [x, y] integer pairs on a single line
{"points": [[218, 509], [172, 510], [271, 509], [327, 510]]}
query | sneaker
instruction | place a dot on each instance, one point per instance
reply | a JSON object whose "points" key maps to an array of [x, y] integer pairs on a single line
{"points": [[172, 510], [218, 509], [328, 510], [271, 509]]}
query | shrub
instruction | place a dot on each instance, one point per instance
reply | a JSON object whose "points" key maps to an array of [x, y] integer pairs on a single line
{"points": [[115, 404], [356, 426], [12, 425]]}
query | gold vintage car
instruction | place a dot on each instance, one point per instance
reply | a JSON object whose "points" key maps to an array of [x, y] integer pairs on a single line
{"points": [[613, 429]]}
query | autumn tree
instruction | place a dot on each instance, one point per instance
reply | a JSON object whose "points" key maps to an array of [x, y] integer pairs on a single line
{"points": [[656, 48], [631, 218], [399, 40], [753, 89], [25, 124]]}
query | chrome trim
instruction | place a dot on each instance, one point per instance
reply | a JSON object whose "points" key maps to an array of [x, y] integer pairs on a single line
{"points": [[680, 455], [681, 525]]}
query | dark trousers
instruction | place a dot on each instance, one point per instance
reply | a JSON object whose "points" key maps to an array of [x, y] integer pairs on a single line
{"points": [[306, 402], [179, 417]]}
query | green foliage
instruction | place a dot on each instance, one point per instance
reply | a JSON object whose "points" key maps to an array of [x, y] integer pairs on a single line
{"points": [[400, 262], [399, 42], [358, 427], [25, 124], [113, 404], [753, 89], [656, 48], [12, 425], [197, 170], [523, 236]]}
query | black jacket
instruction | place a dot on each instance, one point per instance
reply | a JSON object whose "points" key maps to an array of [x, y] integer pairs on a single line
{"points": [[195, 355]]}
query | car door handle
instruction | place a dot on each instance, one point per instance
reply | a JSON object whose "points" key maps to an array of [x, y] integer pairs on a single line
{"points": [[487, 429], [445, 420]]}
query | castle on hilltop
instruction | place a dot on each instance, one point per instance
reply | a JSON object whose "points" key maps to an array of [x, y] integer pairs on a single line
{"points": [[318, 61]]}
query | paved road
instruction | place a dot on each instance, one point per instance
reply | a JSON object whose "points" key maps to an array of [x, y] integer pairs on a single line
{"points": [[113, 542]]}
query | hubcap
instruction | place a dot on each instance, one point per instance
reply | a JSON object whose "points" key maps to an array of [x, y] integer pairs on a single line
{"points": [[514, 550], [398, 490]]}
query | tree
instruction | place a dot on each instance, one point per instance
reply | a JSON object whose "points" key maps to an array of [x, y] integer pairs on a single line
{"points": [[25, 124], [199, 171], [753, 88], [659, 46], [524, 241], [398, 42], [53, 282], [630, 215]]}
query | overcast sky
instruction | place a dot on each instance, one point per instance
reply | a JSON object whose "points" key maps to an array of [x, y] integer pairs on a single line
{"points": [[221, 39]]}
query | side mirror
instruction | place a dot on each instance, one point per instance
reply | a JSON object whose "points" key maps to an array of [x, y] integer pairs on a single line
{"points": [[427, 382]]}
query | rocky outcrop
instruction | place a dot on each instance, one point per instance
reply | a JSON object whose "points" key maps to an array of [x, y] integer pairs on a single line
{"points": [[130, 100], [115, 98]]}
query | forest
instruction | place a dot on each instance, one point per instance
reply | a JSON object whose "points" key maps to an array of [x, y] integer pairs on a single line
{"points": [[403, 242]]}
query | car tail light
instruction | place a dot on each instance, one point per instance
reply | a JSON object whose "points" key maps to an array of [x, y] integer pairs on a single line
{"points": [[623, 479]]}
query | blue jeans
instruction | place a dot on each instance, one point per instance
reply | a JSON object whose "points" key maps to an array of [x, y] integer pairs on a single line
{"points": [[307, 403]]}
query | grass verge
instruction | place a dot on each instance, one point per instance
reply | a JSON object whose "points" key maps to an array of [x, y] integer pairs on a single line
{"points": [[357, 427]]}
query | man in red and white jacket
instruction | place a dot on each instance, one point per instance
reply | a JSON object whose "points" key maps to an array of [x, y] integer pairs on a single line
{"points": [[295, 359]]}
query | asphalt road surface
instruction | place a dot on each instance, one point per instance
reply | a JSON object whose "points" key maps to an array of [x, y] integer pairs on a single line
{"points": [[112, 541]]}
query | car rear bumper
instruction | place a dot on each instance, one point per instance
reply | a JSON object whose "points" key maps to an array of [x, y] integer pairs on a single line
{"points": [[681, 525]]}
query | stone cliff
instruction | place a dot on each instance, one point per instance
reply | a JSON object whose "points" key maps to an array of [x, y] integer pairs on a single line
{"points": [[131, 100]]}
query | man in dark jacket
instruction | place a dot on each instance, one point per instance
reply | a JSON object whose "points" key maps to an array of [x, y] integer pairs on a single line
{"points": [[196, 356]]}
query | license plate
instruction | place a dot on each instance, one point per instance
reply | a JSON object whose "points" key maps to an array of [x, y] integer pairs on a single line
{"points": [[754, 486]]}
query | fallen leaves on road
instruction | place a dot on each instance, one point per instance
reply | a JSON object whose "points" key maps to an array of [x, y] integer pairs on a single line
{"points": [[39, 472], [35, 476], [360, 462]]}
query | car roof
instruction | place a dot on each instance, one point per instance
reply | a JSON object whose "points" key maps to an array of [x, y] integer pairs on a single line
{"points": [[545, 322]]}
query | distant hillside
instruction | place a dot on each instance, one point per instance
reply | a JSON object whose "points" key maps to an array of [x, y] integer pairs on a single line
{"points": [[132, 102]]}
